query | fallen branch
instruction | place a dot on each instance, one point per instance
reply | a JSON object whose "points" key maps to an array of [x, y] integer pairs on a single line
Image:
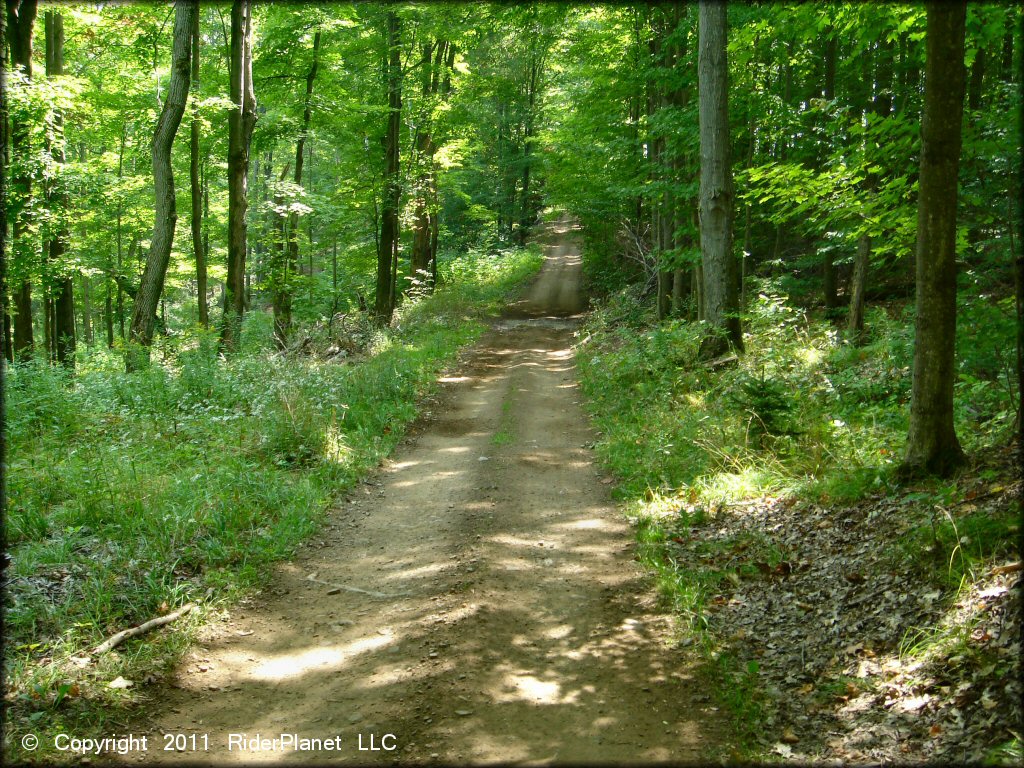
{"points": [[335, 588], [1008, 568], [115, 640]]}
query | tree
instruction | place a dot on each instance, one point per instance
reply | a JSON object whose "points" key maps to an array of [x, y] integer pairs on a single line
{"points": [[283, 279], [21, 16], [387, 251], [241, 121], [198, 246], [716, 190], [64, 304], [166, 215], [3, 275], [932, 444]]}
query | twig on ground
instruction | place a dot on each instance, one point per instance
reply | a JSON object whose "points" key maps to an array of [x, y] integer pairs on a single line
{"points": [[115, 640]]}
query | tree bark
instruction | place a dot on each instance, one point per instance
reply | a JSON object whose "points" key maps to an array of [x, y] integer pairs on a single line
{"points": [[4, 325], [721, 310], [152, 283], [387, 252], [21, 16], [526, 210], [283, 296], [194, 184], [932, 445], [64, 301], [241, 120], [858, 284], [828, 266]]}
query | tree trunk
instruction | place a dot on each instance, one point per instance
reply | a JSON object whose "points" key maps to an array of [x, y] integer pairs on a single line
{"points": [[195, 186], [64, 301], [716, 188], [4, 325], [86, 310], [21, 16], [152, 283], [283, 314], [387, 252], [108, 313], [932, 445], [526, 213], [241, 120], [828, 266], [858, 284]]}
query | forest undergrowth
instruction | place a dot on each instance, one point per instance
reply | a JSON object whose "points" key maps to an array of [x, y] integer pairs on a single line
{"points": [[134, 494], [844, 613]]}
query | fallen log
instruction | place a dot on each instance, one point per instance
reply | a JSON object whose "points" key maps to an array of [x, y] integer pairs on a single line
{"points": [[115, 640]]}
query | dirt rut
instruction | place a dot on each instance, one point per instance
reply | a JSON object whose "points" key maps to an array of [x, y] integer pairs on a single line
{"points": [[477, 598]]}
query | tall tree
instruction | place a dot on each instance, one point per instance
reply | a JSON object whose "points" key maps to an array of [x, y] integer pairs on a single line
{"points": [[284, 282], [64, 303], [151, 284], [198, 246], [241, 121], [3, 276], [721, 307], [387, 250], [932, 445], [435, 56], [21, 17]]}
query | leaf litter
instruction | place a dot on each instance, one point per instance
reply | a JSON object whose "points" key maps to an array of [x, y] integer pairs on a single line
{"points": [[860, 657]]}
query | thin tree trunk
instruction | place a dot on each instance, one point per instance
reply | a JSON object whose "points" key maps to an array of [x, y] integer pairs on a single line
{"points": [[241, 120], [387, 253], [283, 313], [5, 324], [152, 283], [86, 310], [858, 284], [932, 445], [195, 186], [108, 313], [21, 16], [828, 266], [63, 326], [721, 310]]}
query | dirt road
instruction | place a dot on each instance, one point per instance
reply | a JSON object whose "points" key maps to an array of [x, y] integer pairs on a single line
{"points": [[477, 599]]}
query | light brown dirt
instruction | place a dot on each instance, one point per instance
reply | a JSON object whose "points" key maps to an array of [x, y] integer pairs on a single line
{"points": [[508, 620]]}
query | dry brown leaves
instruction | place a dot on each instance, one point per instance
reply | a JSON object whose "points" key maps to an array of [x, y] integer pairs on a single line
{"points": [[862, 659]]}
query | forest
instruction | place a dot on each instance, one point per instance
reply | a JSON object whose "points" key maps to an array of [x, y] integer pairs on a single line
{"points": [[522, 381]]}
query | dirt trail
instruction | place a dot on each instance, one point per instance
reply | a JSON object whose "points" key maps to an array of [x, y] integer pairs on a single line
{"points": [[503, 618]]}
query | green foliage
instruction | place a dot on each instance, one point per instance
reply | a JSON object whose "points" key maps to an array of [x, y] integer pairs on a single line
{"points": [[133, 492]]}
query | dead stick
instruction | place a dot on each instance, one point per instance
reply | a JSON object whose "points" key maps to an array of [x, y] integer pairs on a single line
{"points": [[1008, 568], [347, 588], [115, 640]]}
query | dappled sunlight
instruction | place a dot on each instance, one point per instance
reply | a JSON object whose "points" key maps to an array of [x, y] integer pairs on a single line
{"points": [[298, 663], [592, 523], [524, 687]]}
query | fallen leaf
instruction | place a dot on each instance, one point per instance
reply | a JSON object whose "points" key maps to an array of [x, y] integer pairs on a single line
{"points": [[120, 682], [789, 737]]}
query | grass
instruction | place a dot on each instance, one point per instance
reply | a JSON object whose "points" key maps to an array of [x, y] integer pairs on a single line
{"points": [[132, 494], [801, 414]]}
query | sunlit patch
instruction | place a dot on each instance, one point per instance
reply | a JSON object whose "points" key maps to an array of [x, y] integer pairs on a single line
{"points": [[454, 379], [453, 449], [591, 523], [423, 570], [400, 465], [520, 687], [560, 632], [319, 659]]}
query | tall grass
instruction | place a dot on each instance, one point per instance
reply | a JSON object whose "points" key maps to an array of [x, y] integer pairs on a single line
{"points": [[131, 494]]}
